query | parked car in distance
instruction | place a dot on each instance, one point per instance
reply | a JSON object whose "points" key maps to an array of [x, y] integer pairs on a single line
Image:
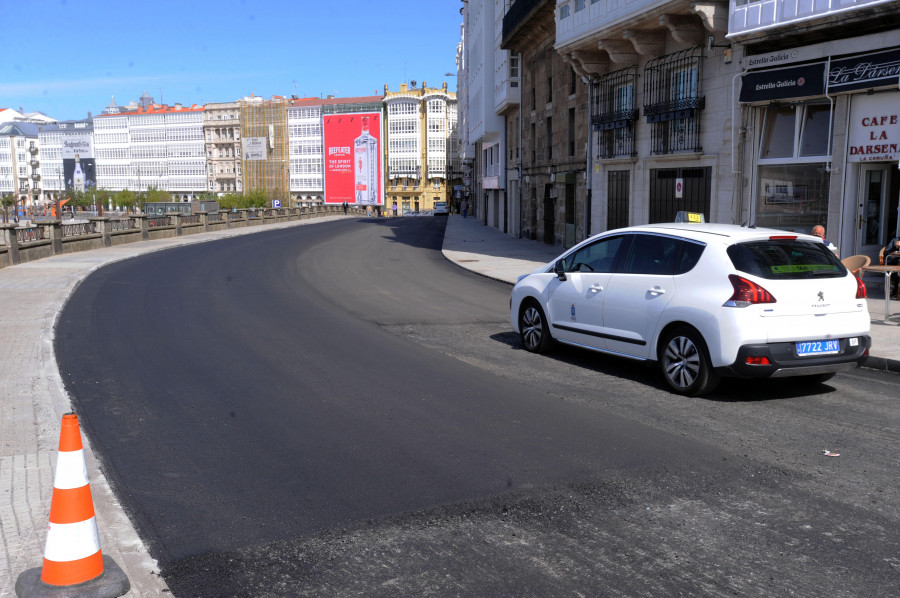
{"points": [[703, 301], [441, 209]]}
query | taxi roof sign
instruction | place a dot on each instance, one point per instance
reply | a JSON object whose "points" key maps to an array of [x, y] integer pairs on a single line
{"points": [[694, 217]]}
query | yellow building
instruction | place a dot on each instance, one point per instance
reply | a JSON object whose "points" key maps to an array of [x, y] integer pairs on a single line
{"points": [[421, 139]]}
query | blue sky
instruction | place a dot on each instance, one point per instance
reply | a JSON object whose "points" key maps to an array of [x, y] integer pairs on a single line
{"points": [[67, 57]]}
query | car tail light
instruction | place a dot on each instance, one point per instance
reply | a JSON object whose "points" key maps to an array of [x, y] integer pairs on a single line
{"points": [[758, 360], [860, 288], [747, 293]]}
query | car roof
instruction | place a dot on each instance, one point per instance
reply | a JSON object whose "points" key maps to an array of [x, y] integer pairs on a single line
{"points": [[711, 232]]}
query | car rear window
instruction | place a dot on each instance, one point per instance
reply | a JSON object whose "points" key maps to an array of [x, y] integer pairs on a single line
{"points": [[786, 259]]}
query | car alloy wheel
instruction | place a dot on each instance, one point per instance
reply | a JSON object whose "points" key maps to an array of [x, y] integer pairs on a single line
{"points": [[533, 328], [685, 363]]}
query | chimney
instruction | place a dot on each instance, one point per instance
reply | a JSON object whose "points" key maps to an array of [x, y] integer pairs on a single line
{"points": [[90, 116], [403, 87]]}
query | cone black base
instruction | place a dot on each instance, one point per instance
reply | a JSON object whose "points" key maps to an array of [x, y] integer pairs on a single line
{"points": [[110, 584]]}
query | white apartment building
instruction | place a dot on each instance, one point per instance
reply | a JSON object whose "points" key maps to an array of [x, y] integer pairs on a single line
{"points": [[305, 141], [817, 117], [20, 163], [154, 146], [491, 92]]}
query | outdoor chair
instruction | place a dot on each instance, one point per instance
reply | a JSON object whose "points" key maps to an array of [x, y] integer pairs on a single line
{"points": [[855, 263]]}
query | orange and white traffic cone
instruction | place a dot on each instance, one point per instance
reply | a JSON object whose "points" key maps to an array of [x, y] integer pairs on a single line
{"points": [[72, 555]]}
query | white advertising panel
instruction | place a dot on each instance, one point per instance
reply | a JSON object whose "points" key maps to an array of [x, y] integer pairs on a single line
{"points": [[254, 148], [874, 128]]}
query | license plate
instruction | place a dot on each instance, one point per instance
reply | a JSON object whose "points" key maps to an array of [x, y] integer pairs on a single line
{"points": [[818, 348]]}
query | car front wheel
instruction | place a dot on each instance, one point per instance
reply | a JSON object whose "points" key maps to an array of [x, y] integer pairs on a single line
{"points": [[533, 328], [685, 363]]}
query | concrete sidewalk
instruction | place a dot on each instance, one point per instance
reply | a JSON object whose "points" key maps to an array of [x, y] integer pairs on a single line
{"points": [[494, 254]]}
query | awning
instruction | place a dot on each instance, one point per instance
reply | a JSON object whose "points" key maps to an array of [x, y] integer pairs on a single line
{"points": [[792, 82]]}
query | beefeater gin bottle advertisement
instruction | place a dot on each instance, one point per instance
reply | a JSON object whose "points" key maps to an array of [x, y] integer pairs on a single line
{"points": [[365, 166]]}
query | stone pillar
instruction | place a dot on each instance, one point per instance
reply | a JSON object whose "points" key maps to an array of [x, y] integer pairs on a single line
{"points": [[141, 223], [204, 219], [55, 230], [8, 231], [176, 216], [101, 225]]}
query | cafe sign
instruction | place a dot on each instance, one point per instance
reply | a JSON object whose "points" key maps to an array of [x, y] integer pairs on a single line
{"points": [[874, 128], [868, 71]]}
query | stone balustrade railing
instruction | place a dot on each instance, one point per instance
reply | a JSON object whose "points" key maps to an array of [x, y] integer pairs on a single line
{"points": [[20, 244]]}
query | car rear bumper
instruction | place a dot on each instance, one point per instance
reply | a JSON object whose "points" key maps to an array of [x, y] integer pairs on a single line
{"points": [[783, 360]]}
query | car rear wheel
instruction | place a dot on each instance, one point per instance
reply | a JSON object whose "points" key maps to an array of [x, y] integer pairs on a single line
{"points": [[685, 363], [533, 328]]}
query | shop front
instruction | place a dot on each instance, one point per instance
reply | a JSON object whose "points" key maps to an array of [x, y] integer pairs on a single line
{"points": [[825, 145], [873, 152]]}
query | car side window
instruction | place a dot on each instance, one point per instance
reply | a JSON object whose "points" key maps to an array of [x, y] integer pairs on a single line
{"points": [[689, 256], [652, 254], [599, 256]]}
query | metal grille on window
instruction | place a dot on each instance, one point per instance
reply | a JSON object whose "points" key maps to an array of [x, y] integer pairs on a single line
{"points": [[673, 101], [614, 113]]}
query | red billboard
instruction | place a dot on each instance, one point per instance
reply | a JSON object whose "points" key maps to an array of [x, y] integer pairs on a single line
{"points": [[352, 158]]}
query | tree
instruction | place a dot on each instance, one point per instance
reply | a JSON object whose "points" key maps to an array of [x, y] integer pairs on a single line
{"points": [[7, 200], [156, 195], [124, 199]]}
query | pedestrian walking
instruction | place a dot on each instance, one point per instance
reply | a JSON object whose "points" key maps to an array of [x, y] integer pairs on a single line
{"points": [[345, 206], [464, 208]]}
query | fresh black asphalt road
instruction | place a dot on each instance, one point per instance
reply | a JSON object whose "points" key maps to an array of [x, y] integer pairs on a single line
{"points": [[318, 411]]}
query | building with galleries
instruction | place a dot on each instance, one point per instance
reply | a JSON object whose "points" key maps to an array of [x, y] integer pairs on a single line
{"points": [[155, 145], [20, 175], [222, 134], [421, 125], [817, 118], [491, 83]]}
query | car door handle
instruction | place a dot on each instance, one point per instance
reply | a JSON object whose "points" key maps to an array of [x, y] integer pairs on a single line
{"points": [[595, 288], [657, 291]]}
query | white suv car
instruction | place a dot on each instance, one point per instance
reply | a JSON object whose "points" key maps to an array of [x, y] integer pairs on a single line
{"points": [[702, 300]]}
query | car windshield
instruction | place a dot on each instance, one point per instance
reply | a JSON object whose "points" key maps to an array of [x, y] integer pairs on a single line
{"points": [[786, 259]]}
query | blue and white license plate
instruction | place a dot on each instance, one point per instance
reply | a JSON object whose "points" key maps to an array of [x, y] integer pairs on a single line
{"points": [[818, 348]]}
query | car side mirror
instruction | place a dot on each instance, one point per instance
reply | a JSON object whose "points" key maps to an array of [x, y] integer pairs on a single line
{"points": [[560, 268]]}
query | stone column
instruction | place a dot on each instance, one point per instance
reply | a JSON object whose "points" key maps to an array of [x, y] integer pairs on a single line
{"points": [[8, 232], [177, 217], [55, 230], [141, 223], [101, 225]]}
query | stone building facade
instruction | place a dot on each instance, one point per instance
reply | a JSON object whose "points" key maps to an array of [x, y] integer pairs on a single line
{"points": [[551, 122], [222, 134]]}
